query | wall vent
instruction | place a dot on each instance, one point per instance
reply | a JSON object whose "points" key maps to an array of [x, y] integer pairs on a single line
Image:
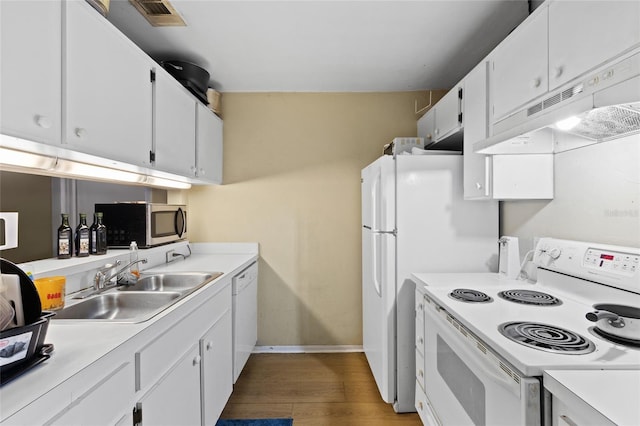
{"points": [[159, 13]]}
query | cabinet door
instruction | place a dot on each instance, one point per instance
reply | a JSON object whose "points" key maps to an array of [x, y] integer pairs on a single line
{"points": [[217, 368], [209, 152], [584, 34], [175, 126], [30, 70], [448, 113], [519, 66], [108, 89], [427, 126], [105, 403], [175, 399], [477, 167]]}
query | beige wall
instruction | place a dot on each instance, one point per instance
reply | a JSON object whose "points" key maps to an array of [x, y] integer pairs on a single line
{"points": [[292, 166]]}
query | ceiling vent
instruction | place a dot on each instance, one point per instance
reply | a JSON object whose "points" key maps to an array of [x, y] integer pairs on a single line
{"points": [[159, 13]]}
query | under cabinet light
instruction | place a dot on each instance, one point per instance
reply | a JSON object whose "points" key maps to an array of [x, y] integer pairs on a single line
{"points": [[568, 123], [166, 183], [82, 170], [15, 160]]}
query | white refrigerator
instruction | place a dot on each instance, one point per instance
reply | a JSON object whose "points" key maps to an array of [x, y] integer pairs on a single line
{"points": [[414, 219]]}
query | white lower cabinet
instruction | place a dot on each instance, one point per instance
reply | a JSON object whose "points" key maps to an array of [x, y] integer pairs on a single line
{"points": [[184, 375], [175, 399], [217, 379], [104, 403]]}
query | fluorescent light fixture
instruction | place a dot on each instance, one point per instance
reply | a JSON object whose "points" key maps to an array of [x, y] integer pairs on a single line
{"points": [[568, 123], [15, 158], [28, 162], [72, 168], [166, 183]]}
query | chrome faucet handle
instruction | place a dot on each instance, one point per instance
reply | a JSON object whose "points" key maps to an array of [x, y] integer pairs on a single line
{"points": [[99, 279]]}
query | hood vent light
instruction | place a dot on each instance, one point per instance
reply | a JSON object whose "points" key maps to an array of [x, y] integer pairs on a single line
{"points": [[159, 13], [611, 122]]}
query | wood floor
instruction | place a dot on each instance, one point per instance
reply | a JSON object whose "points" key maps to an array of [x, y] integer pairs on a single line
{"points": [[314, 389]]}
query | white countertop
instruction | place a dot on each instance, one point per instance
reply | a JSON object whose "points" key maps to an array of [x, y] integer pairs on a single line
{"points": [[614, 394], [78, 344]]}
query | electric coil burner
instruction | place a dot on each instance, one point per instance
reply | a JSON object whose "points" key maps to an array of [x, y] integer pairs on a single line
{"points": [[546, 338], [470, 296], [530, 297]]}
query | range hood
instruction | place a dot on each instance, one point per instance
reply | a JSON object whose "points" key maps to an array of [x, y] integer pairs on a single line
{"points": [[601, 106]]}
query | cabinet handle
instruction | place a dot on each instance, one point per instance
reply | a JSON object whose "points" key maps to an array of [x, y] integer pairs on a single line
{"points": [[568, 420], [535, 83], [429, 136], [421, 405], [209, 345], [478, 185], [557, 71], [420, 340], [420, 307], [80, 132], [437, 132], [42, 121], [196, 360]]}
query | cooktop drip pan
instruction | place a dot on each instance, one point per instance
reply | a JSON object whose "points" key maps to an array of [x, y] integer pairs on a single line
{"points": [[547, 338]]}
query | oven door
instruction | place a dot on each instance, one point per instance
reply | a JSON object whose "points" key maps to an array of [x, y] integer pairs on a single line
{"points": [[467, 384]]}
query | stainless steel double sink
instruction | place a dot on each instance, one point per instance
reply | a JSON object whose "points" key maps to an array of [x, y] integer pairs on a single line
{"points": [[139, 302]]}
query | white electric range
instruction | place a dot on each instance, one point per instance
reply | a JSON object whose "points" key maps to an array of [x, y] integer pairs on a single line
{"points": [[485, 353]]}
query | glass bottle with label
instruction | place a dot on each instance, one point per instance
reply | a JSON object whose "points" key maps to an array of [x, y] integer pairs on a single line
{"points": [[82, 237], [101, 235], [65, 240], [93, 237]]}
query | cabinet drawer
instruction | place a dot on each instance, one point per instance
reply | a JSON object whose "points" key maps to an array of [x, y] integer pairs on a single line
{"points": [[419, 335], [424, 410], [154, 359], [420, 369], [104, 403], [419, 305]]}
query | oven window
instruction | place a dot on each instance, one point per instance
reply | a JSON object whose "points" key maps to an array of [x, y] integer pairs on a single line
{"points": [[163, 224], [466, 387]]}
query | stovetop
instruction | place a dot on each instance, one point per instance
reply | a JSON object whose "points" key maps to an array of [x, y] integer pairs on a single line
{"points": [[484, 319]]}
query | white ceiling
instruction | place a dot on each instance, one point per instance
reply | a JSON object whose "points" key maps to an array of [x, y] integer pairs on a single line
{"points": [[327, 46]]}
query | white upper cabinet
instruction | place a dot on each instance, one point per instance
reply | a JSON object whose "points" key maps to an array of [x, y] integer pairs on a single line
{"points": [[477, 167], [427, 126], [448, 113], [30, 70], [519, 65], [108, 89], [175, 126], [209, 151], [585, 34]]}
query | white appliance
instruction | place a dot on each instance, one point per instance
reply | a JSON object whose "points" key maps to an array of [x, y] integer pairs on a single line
{"points": [[485, 354], [414, 219], [245, 316]]}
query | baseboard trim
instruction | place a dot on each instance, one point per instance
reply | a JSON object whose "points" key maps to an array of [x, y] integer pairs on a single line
{"points": [[306, 349]]}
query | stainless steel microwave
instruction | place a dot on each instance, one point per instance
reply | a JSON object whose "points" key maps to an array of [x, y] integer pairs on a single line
{"points": [[148, 224]]}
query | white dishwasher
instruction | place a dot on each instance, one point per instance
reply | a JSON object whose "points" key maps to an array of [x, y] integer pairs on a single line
{"points": [[245, 316]]}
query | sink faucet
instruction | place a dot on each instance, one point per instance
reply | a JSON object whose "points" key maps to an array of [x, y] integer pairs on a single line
{"points": [[100, 280]]}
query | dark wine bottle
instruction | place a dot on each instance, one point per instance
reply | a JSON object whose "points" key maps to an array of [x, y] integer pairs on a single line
{"points": [[93, 237], [65, 240], [82, 237], [101, 235]]}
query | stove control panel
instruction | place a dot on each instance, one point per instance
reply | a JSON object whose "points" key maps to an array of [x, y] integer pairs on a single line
{"points": [[611, 261], [615, 266]]}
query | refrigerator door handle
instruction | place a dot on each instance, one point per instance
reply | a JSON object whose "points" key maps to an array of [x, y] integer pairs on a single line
{"points": [[375, 185], [377, 266]]}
